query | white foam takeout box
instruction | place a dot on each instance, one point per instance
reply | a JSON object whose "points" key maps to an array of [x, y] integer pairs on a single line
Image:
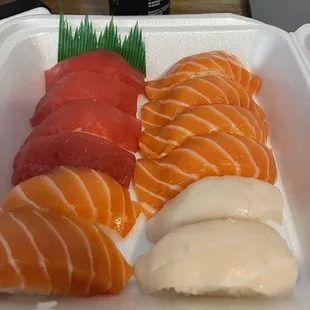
{"points": [[28, 46]]}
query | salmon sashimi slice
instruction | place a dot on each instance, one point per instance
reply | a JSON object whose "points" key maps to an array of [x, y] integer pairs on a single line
{"points": [[216, 55], [211, 89], [101, 61], [47, 254], [81, 150], [205, 119], [95, 118], [77, 192], [158, 180], [86, 85], [218, 62]]}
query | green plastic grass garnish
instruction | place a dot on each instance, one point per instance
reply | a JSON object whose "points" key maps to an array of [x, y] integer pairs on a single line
{"points": [[133, 48], [84, 38], [110, 39]]}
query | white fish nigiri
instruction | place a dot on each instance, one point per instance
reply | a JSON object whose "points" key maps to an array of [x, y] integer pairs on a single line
{"points": [[219, 258], [218, 197]]}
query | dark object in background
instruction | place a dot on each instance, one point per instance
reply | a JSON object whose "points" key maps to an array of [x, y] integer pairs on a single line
{"points": [[286, 14], [139, 7], [20, 6]]}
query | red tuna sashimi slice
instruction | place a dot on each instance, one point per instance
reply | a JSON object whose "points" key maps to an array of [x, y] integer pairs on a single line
{"points": [[43, 154], [95, 118], [101, 61], [87, 85]]}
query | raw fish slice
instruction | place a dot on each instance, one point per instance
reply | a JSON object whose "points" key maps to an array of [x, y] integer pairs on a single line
{"points": [[159, 141], [95, 118], [86, 85], [43, 154], [218, 56], [76, 192], [46, 254], [220, 258], [211, 89], [218, 62], [101, 61], [218, 198], [158, 180]]}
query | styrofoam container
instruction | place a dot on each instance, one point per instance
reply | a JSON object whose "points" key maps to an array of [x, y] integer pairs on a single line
{"points": [[28, 46], [302, 39], [36, 11]]}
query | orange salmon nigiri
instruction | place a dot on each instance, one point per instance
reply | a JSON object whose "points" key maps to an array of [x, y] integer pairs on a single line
{"points": [[77, 192], [218, 62], [47, 254], [205, 119], [219, 154], [211, 89]]}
